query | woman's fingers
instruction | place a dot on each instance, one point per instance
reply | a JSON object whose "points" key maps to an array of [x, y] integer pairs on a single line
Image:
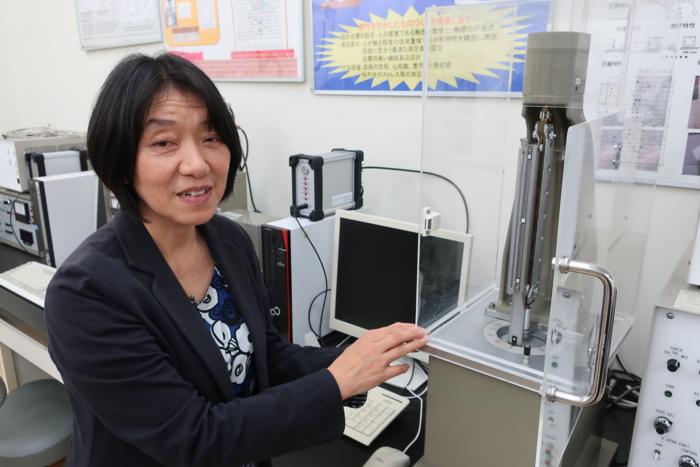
{"points": [[395, 370], [367, 362], [399, 333], [405, 348]]}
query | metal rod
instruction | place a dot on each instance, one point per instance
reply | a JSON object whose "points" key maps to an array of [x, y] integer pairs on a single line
{"points": [[542, 221]]}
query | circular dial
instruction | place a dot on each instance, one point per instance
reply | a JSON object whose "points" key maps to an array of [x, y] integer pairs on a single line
{"points": [[687, 461], [672, 364], [662, 425]]}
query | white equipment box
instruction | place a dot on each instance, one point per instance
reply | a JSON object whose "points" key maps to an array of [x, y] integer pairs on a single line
{"points": [[42, 164], [667, 428], [66, 210], [14, 145]]}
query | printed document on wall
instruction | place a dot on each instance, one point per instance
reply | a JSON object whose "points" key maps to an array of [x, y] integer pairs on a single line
{"points": [[238, 39], [103, 23]]}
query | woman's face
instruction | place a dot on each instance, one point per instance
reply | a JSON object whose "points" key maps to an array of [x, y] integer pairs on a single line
{"points": [[181, 163]]}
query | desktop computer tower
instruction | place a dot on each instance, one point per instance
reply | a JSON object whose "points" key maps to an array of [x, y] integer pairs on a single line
{"points": [[294, 277]]}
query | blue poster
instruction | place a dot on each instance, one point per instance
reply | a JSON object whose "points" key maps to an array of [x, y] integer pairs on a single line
{"points": [[376, 47]]}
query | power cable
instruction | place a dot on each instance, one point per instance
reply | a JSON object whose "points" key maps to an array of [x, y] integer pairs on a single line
{"points": [[433, 174], [325, 279], [244, 166], [320, 321]]}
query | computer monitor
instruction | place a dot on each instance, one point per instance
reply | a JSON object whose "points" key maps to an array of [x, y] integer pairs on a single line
{"points": [[376, 281]]}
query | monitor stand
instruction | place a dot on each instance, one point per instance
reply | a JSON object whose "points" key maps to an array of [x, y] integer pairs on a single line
{"points": [[412, 381]]}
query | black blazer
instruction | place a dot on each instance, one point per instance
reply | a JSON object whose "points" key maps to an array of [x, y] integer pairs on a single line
{"points": [[147, 384]]}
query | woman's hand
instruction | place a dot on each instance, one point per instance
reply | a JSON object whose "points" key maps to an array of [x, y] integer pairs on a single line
{"points": [[367, 362]]}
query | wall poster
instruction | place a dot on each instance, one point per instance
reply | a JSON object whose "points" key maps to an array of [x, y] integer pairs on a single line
{"points": [[369, 47], [661, 130], [238, 40], [104, 24]]}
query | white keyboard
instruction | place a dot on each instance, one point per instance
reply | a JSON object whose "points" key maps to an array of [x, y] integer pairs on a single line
{"points": [[29, 281], [381, 408]]}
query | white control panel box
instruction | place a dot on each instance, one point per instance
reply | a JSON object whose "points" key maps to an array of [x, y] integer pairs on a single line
{"points": [[667, 427], [17, 225]]}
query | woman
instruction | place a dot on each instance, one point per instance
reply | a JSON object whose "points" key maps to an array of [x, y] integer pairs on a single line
{"points": [[157, 321]]}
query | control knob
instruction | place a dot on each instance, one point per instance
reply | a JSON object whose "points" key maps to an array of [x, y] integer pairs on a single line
{"points": [[672, 364], [662, 425], [687, 461]]}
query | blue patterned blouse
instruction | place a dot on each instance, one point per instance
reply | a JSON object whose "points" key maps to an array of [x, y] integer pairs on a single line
{"points": [[230, 333]]}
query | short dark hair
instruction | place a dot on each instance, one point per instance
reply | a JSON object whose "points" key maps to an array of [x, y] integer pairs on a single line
{"points": [[118, 118]]}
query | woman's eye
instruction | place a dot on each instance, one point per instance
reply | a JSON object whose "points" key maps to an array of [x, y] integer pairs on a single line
{"points": [[161, 144], [212, 139]]}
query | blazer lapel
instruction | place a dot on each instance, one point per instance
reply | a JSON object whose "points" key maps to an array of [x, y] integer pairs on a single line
{"points": [[142, 253], [238, 274]]}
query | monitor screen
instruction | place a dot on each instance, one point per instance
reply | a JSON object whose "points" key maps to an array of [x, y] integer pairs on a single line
{"points": [[375, 277], [376, 274], [440, 277]]}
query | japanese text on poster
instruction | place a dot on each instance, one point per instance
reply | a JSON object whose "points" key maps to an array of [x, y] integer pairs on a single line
{"points": [[479, 49]]}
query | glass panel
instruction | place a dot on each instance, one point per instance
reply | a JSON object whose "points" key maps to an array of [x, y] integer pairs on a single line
{"points": [[608, 186], [494, 146], [538, 178]]}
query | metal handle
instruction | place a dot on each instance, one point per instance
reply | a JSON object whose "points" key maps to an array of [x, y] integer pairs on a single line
{"points": [[607, 318]]}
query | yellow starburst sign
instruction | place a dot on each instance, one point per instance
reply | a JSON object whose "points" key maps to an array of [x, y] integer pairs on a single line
{"points": [[463, 43]]}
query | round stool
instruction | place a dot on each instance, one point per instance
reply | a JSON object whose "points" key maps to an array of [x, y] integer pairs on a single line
{"points": [[35, 424]]}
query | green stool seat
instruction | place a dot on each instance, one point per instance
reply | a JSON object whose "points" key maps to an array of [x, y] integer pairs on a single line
{"points": [[35, 425]]}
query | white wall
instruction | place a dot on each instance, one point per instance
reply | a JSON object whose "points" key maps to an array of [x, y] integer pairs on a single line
{"points": [[47, 79], [54, 80], [8, 108]]}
